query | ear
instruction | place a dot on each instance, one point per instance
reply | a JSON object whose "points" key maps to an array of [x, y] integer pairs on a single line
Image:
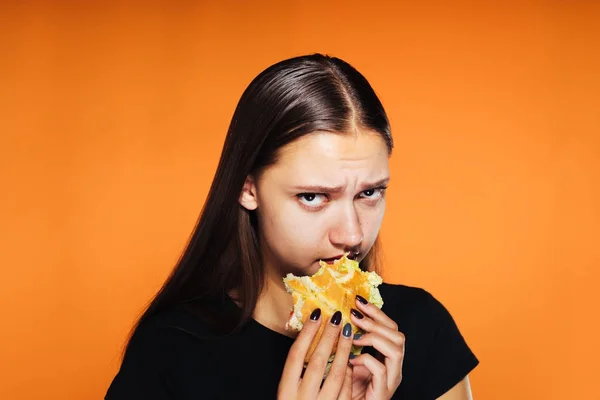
{"points": [[248, 198]]}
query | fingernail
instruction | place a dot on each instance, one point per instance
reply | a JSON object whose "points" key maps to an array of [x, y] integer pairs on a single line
{"points": [[361, 299], [316, 314], [336, 318], [358, 336], [352, 356], [356, 313], [347, 332]]}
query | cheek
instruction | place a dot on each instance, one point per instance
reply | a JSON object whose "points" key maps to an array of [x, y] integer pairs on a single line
{"points": [[294, 233], [371, 220], [287, 228]]}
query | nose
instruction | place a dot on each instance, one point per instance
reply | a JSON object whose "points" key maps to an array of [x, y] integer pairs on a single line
{"points": [[346, 233]]}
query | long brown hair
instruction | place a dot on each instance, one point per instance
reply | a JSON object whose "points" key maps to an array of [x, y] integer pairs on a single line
{"points": [[289, 99]]}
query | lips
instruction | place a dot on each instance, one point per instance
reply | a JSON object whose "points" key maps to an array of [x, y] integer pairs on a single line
{"points": [[331, 260]]}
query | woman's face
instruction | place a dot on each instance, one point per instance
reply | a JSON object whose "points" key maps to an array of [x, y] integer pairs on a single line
{"points": [[323, 197]]}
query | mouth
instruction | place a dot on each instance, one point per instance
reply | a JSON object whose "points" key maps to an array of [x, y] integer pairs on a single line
{"points": [[351, 256]]}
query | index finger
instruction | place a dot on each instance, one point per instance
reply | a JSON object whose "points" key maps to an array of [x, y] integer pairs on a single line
{"points": [[294, 362], [375, 313]]}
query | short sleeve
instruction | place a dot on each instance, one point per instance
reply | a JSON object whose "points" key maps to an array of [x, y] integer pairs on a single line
{"points": [[144, 372], [449, 358]]}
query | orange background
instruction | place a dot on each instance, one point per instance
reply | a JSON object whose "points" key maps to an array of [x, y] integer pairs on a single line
{"points": [[112, 121]]}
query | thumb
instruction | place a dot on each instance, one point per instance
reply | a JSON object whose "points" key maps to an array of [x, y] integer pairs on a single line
{"points": [[360, 373], [360, 380], [346, 391]]}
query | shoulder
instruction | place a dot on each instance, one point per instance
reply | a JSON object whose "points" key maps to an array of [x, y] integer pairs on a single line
{"points": [[407, 302], [417, 312], [160, 346], [398, 292], [437, 355], [169, 328]]}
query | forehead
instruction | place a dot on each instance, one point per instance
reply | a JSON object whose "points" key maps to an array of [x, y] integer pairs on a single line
{"points": [[328, 155]]}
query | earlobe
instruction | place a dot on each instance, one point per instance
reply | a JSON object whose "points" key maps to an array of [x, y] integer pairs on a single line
{"points": [[248, 198]]}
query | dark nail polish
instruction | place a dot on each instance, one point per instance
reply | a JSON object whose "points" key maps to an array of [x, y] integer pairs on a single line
{"points": [[357, 313], [358, 336], [316, 314], [352, 356], [347, 332], [336, 318], [361, 299]]}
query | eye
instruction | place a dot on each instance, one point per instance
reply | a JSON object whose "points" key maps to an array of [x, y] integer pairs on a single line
{"points": [[312, 200], [374, 194]]}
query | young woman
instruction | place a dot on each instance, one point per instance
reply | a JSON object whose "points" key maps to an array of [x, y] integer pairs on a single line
{"points": [[302, 178]]}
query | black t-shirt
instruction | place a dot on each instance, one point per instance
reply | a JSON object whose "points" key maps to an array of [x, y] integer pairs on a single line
{"points": [[174, 355]]}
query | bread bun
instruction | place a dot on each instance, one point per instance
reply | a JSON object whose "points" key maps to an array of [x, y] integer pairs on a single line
{"points": [[333, 287]]}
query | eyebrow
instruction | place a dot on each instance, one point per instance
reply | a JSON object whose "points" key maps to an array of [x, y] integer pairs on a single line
{"points": [[339, 189]]}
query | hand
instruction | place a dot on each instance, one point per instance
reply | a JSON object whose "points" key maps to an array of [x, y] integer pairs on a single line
{"points": [[375, 379], [338, 384]]}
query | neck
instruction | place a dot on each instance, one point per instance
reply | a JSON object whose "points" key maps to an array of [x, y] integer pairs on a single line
{"points": [[274, 304]]}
